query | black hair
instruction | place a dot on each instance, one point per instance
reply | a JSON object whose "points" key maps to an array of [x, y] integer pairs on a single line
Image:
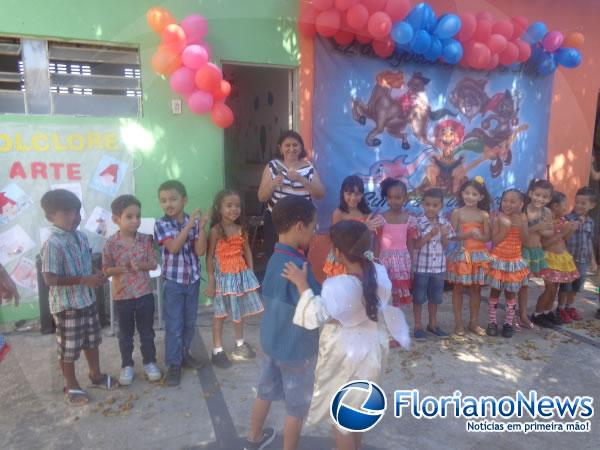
{"points": [[537, 183], [509, 191], [588, 192], [59, 200], [557, 197], [434, 193], [215, 217], [174, 185], [350, 184], [290, 210], [483, 204], [294, 135], [119, 204], [353, 239], [389, 183]]}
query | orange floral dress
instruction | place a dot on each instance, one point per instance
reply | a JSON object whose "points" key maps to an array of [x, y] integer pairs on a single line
{"points": [[468, 265], [508, 270]]}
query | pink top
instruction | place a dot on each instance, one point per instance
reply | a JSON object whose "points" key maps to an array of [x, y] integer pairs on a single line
{"points": [[394, 235]]}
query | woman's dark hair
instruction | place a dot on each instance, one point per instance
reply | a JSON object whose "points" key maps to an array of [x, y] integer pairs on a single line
{"points": [[351, 184], [557, 197], [485, 203], [537, 183], [215, 217], [294, 135], [353, 239], [509, 191], [389, 183]]}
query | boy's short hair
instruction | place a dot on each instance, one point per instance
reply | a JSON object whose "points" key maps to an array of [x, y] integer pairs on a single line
{"points": [[174, 185], [434, 193], [588, 192], [119, 204], [59, 200], [290, 210]]}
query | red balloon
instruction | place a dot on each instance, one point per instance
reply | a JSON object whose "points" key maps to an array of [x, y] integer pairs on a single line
{"points": [[467, 28], [379, 25], [363, 36], [478, 55], [493, 62], [208, 78], [485, 15], [397, 9], [173, 38], [344, 37], [322, 5], [343, 5], [497, 43], [510, 55], [223, 91], [357, 16], [221, 115], [383, 49], [520, 24], [165, 62], [483, 30], [374, 6], [306, 23], [328, 22], [503, 28], [524, 50]]}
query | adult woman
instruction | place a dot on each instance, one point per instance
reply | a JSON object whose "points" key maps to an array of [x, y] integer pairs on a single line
{"points": [[288, 174]]}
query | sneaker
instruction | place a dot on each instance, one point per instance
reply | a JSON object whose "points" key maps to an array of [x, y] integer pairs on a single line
{"points": [[564, 315], [541, 320], [267, 437], [192, 363], [243, 353], [507, 331], [574, 314], [554, 318], [420, 334], [220, 360], [152, 372], [126, 376], [492, 329], [437, 331], [173, 377]]}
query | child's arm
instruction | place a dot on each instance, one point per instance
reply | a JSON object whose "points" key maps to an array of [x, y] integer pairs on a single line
{"points": [[425, 238], [91, 281], [487, 234], [524, 227], [248, 254], [150, 262], [310, 311], [455, 222], [8, 288], [336, 216], [201, 239], [570, 228], [108, 263], [499, 228], [213, 237]]}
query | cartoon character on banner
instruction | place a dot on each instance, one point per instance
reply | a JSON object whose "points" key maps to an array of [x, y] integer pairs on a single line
{"points": [[394, 114], [397, 168], [8, 208], [108, 177]]}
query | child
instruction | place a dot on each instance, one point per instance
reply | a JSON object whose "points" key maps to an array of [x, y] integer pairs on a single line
{"points": [[67, 271], [561, 267], [352, 207], [231, 281], [182, 240], [467, 266], [391, 248], [581, 247], [539, 223], [432, 233], [351, 346], [288, 370], [127, 257], [508, 270]]}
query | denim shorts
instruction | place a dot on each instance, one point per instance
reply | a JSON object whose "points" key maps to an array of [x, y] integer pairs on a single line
{"points": [[428, 287], [577, 284], [291, 382]]}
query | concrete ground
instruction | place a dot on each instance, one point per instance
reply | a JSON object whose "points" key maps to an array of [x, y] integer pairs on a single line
{"points": [[210, 410]]}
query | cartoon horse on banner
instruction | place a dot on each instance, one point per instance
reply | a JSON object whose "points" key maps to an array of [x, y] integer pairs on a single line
{"points": [[394, 114]]}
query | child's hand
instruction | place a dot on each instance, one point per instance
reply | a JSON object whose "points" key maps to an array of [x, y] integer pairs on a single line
{"points": [[195, 215], [296, 275], [204, 219], [134, 265], [374, 222], [445, 230], [210, 290], [516, 220], [93, 281], [475, 233], [435, 230]]}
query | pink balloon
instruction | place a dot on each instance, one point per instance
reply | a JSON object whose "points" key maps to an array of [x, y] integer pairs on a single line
{"points": [[524, 50], [552, 41], [323, 5], [195, 27], [468, 27], [483, 30], [520, 24], [357, 16], [510, 55], [503, 28], [343, 5], [379, 25], [485, 15], [182, 81], [200, 102], [374, 6], [194, 56], [497, 43], [328, 22], [478, 55], [397, 9]]}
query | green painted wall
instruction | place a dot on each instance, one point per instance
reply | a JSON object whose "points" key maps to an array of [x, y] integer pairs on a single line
{"points": [[186, 146]]}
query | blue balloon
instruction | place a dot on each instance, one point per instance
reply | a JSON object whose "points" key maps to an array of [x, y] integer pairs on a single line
{"points": [[434, 51], [452, 51], [429, 19], [535, 33], [547, 65], [447, 26], [420, 16], [402, 33], [568, 57], [420, 42], [537, 54]]}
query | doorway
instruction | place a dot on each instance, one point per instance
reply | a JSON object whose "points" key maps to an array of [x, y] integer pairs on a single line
{"points": [[263, 102]]}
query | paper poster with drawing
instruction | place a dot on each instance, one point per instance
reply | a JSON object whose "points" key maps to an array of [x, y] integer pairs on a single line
{"points": [[14, 242], [25, 275], [100, 223], [109, 175], [75, 188], [13, 200]]}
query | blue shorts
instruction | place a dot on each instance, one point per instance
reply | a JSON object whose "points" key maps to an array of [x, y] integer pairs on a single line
{"points": [[291, 382], [577, 284], [428, 287]]}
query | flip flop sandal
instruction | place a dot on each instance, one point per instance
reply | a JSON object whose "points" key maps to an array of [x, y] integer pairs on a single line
{"points": [[477, 330], [73, 397], [105, 382]]}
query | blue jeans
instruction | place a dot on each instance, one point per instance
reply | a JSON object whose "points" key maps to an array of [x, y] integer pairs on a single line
{"points": [[132, 313], [180, 310], [428, 287]]}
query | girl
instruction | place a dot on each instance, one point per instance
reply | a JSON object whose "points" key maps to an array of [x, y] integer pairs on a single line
{"points": [[351, 345], [508, 270], [539, 222], [561, 267], [391, 248], [231, 281], [352, 207], [468, 265]]}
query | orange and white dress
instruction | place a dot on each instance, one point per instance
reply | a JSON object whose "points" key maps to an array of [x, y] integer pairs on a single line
{"points": [[468, 265], [332, 266], [508, 270]]}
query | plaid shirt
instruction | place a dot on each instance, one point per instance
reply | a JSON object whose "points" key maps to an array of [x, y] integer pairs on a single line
{"points": [[181, 267], [580, 245], [431, 258], [68, 254]]}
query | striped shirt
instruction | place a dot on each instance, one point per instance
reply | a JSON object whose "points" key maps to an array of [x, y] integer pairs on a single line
{"points": [[288, 187], [431, 258], [68, 254], [580, 245], [181, 267]]}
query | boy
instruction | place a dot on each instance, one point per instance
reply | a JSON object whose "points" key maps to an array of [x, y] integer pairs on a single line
{"points": [[432, 235], [67, 270], [182, 240], [581, 246], [288, 370], [127, 257]]}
